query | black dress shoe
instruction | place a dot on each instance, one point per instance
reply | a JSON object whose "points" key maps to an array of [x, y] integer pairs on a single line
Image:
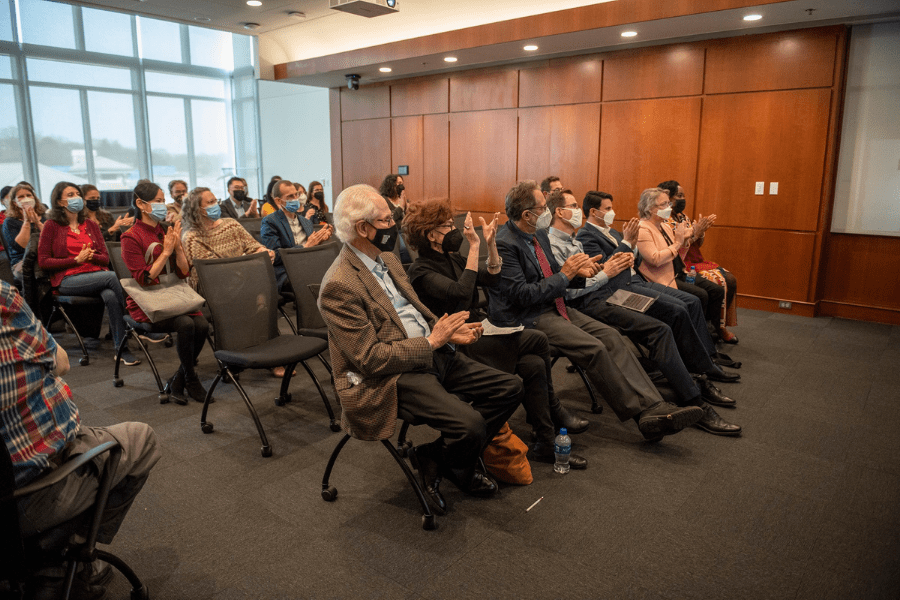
{"points": [[175, 388], [723, 360], [562, 418], [714, 395], [715, 425], [481, 486], [664, 418], [543, 452], [723, 376], [429, 478]]}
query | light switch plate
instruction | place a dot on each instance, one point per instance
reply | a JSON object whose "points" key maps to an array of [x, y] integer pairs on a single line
{"points": [[760, 188], [773, 188]]}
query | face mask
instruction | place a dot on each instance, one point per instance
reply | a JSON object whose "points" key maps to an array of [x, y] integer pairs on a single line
{"points": [[158, 211], [386, 238], [214, 212], [180, 199], [679, 205], [292, 206], [452, 241], [75, 204], [93, 205], [302, 198], [543, 221], [609, 217], [25, 202], [664, 213], [400, 189], [319, 196], [240, 195], [576, 218]]}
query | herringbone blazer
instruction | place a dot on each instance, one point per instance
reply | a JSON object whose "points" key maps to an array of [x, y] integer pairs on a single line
{"points": [[367, 337]]}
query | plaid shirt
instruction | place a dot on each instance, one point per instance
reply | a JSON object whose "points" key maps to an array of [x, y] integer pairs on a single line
{"points": [[37, 415]]}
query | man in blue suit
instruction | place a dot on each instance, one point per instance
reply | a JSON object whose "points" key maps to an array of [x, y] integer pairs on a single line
{"points": [[284, 228], [532, 293]]}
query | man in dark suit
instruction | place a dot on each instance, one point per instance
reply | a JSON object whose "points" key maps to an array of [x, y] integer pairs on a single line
{"points": [[287, 228], [641, 328], [392, 357], [532, 293], [238, 205]]}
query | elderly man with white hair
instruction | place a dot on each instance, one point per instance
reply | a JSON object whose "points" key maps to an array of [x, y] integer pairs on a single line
{"points": [[392, 357]]}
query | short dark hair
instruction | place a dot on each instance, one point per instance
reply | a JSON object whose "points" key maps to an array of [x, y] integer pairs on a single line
{"points": [[145, 190], [520, 198], [557, 199], [388, 187], [276, 189], [57, 213], [545, 184], [233, 179], [671, 186], [593, 199]]}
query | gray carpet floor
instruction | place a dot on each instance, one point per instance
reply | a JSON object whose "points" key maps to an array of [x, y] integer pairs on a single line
{"points": [[803, 505]]}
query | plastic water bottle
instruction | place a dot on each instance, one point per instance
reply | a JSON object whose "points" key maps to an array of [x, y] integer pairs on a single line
{"points": [[692, 276], [562, 446]]}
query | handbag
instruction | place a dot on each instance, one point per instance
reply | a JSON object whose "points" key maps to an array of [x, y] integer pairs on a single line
{"points": [[171, 297], [505, 457]]}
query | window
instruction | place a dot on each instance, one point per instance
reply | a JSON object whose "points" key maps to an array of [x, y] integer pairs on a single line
{"points": [[210, 48], [5, 21], [53, 71], [168, 141], [160, 40], [113, 140], [5, 70], [213, 155], [59, 136], [169, 83], [10, 150], [107, 32], [48, 24]]}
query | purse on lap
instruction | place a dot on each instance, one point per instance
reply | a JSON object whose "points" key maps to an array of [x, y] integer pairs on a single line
{"points": [[171, 297]]}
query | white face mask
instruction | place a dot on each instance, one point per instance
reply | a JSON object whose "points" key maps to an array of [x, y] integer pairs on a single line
{"points": [[25, 202], [664, 213], [576, 219], [302, 198], [609, 217], [543, 221]]}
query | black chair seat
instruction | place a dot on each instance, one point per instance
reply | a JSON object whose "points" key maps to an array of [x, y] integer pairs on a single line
{"points": [[319, 332], [275, 352]]}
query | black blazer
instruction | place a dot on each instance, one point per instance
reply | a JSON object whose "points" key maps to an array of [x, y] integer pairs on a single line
{"points": [[444, 285], [229, 211]]}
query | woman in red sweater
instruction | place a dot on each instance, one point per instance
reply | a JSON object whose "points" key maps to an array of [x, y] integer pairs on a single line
{"points": [[72, 251]]}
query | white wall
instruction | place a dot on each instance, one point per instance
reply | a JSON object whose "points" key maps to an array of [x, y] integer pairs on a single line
{"points": [[295, 129]]}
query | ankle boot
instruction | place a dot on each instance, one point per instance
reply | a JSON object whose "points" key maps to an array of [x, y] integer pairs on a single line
{"points": [[175, 388], [194, 388], [563, 418]]}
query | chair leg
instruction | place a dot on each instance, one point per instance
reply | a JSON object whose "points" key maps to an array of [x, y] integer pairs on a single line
{"points": [[326, 364], [207, 426], [402, 443], [266, 448], [163, 396], [85, 359], [284, 396], [329, 492], [334, 425], [138, 589], [117, 381], [596, 407], [428, 521], [288, 319]]}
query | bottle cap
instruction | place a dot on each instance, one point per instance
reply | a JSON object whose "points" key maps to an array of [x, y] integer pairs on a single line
{"points": [[563, 431]]}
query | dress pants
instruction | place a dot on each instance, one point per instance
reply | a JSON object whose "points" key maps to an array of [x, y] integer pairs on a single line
{"points": [[466, 401], [525, 353], [601, 352], [712, 295], [671, 298], [653, 334]]}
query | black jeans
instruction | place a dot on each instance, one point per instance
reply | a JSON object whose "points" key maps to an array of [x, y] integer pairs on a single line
{"points": [[711, 295], [191, 335]]}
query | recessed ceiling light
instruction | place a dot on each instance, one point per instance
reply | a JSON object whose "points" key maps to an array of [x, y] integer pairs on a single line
{"points": [[254, 3], [250, 26], [753, 17], [385, 69], [450, 59], [629, 33], [531, 47], [203, 19]]}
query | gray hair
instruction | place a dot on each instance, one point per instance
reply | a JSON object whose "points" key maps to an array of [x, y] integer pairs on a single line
{"points": [[520, 198], [191, 211], [648, 202], [355, 204]]}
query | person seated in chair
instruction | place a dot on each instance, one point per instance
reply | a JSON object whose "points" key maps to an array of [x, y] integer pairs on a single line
{"points": [[238, 205], [24, 217], [392, 357], [446, 281], [41, 428], [285, 228]]}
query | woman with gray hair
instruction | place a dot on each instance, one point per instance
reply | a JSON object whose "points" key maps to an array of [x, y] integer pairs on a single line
{"points": [[659, 244]]}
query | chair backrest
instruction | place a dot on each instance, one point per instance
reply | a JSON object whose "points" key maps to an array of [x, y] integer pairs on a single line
{"points": [[6, 273], [252, 226], [116, 260], [305, 266], [242, 296]]}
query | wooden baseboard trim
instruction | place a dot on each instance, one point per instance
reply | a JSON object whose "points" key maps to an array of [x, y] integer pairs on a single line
{"points": [[803, 309], [859, 313]]}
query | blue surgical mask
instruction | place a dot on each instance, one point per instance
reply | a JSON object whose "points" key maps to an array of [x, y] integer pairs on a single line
{"points": [[214, 212], [158, 211], [292, 206], [75, 204]]}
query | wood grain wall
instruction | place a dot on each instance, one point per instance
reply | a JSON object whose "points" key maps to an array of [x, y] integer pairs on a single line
{"points": [[716, 115]]}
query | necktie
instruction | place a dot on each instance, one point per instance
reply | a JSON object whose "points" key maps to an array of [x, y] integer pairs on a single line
{"points": [[547, 271]]}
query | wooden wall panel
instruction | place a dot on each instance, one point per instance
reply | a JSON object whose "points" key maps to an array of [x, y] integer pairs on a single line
{"points": [[767, 263], [638, 147], [482, 159], [365, 103], [436, 156], [562, 81], [562, 141], [776, 61], [654, 73], [484, 90], [366, 152], [420, 97], [406, 149], [766, 136], [862, 269], [337, 163]]}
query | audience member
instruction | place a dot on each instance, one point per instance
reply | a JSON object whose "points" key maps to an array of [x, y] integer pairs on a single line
{"points": [[314, 207], [165, 248], [238, 205], [24, 207], [390, 354], [532, 293], [393, 190], [446, 281], [269, 205], [72, 251], [177, 191], [41, 428], [287, 229], [550, 184], [642, 329], [109, 227]]}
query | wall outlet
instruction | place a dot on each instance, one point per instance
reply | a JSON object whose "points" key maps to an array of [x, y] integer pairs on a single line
{"points": [[784, 304], [760, 188], [773, 188]]}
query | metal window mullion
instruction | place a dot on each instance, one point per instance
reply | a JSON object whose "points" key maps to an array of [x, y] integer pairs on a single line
{"points": [[142, 104], [88, 141], [26, 126], [78, 23], [189, 132], [185, 45], [230, 121]]}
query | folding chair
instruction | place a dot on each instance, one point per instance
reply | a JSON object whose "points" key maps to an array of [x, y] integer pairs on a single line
{"points": [[596, 407]]}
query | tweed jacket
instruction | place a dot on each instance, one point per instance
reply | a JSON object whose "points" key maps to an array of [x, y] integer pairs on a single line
{"points": [[366, 337]]}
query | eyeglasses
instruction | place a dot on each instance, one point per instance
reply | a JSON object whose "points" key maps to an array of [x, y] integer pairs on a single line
{"points": [[387, 222]]}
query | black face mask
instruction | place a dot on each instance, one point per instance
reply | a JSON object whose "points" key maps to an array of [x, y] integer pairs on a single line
{"points": [[92, 205], [400, 189], [240, 195], [385, 239], [679, 205], [319, 196], [452, 241]]}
